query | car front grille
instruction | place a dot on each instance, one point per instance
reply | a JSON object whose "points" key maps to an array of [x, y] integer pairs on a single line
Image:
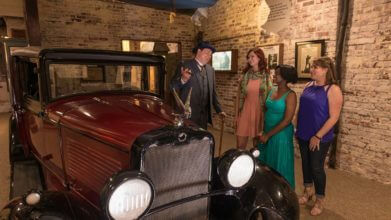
{"points": [[179, 171]]}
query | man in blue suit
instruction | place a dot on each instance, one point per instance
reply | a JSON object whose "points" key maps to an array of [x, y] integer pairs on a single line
{"points": [[200, 76]]}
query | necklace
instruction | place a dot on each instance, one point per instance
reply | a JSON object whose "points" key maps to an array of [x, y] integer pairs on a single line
{"points": [[254, 75]]}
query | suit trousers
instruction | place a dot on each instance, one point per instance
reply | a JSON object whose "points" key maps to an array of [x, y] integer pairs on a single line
{"points": [[202, 120]]}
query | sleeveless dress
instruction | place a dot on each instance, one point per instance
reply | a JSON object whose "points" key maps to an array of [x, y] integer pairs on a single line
{"points": [[249, 117], [278, 151]]}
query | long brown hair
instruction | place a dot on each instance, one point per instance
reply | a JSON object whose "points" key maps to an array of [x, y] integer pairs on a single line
{"points": [[328, 63], [262, 65]]}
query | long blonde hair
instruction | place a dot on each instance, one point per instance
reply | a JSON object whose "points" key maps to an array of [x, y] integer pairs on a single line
{"points": [[328, 63]]}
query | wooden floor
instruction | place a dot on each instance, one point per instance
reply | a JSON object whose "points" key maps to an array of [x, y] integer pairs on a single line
{"points": [[347, 197]]}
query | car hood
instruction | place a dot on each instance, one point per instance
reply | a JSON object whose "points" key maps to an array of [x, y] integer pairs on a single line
{"points": [[115, 119]]}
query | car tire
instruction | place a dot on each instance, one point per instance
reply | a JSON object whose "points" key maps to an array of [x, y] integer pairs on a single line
{"points": [[266, 214]]}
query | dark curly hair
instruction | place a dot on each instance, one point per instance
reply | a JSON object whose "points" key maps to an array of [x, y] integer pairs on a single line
{"points": [[288, 73]]}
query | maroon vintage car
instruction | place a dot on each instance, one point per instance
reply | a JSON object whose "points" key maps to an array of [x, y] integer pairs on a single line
{"points": [[107, 147]]}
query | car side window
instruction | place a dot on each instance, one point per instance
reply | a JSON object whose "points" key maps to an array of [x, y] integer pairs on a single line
{"points": [[153, 79], [136, 77], [30, 79]]}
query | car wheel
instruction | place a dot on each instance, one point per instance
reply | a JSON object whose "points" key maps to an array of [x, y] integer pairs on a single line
{"points": [[265, 214], [256, 216]]}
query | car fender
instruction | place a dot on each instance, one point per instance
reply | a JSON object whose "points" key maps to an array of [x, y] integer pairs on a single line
{"points": [[51, 205], [267, 194], [274, 198]]}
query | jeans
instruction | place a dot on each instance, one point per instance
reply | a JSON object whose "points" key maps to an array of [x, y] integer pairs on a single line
{"points": [[313, 166]]}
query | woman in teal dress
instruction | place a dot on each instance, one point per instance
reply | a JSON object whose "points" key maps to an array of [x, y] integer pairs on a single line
{"points": [[277, 139]]}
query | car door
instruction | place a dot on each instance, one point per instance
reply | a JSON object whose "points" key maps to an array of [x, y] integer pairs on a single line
{"points": [[42, 132], [18, 140], [29, 107]]}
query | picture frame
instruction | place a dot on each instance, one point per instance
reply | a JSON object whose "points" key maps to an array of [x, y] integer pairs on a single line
{"points": [[274, 54], [305, 53], [225, 61]]}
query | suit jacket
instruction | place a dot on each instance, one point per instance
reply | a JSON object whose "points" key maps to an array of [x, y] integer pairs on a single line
{"points": [[195, 83]]}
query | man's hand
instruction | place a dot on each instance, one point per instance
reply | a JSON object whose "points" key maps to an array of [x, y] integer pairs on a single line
{"points": [[223, 114], [186, 74]]}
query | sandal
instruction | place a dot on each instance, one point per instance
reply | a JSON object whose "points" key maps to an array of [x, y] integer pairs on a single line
{"points": [[318, 208], [307, 196]]}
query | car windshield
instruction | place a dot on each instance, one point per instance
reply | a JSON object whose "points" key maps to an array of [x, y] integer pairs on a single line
{"points": [[69, 79]]}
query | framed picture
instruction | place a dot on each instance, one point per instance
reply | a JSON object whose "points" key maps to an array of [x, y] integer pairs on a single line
{"points": [[273, 54], [225, 61], [305, 53]]}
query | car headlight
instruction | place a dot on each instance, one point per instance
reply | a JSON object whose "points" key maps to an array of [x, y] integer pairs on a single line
{"points": [[127, 195], [236, 168]]}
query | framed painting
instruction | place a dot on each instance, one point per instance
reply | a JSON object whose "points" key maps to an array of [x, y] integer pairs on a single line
{"points": [[305, 53], [273, 54], [225, 61]]}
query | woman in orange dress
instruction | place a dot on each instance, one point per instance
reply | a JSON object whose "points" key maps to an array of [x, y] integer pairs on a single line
{"points": [[254, 86]]}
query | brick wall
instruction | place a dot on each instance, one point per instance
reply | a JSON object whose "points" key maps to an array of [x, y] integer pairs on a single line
{"points": [[103, 24], [366, 120], [363, 144]]}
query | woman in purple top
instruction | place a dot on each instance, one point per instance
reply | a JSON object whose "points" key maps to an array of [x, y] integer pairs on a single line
{"points": [[320, 107]]}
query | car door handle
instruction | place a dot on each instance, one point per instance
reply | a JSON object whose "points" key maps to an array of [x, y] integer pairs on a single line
{"points": [[47, 157], [74, 186]]}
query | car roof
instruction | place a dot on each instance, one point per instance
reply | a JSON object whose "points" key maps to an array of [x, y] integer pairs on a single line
{"points": [[31, 52], [58, 54]]}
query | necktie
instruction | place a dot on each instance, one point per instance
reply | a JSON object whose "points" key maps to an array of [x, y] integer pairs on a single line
{"points": [[202, 70]]}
